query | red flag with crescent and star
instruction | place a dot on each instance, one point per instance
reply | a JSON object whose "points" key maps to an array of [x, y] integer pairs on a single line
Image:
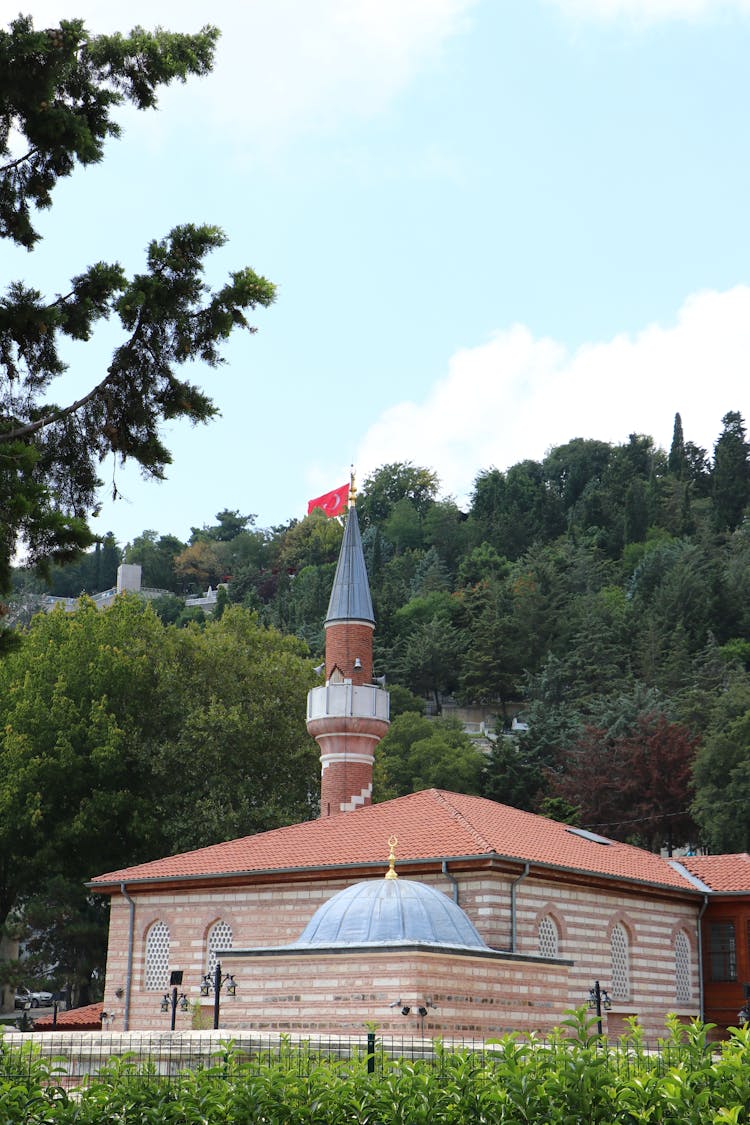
{"points": [[332, 503]]}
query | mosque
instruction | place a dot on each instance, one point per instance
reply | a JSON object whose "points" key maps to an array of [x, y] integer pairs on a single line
{"points": [[436, 914]]}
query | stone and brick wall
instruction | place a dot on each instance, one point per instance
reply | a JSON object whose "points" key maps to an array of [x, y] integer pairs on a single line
{"points": [[347, 641], [524, 993]]}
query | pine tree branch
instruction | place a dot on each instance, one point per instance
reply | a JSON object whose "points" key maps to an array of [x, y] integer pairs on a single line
{"points": [[21, 160], [56, 415], [65, 411]]}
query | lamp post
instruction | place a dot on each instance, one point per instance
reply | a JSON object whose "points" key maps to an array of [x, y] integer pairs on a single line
{"points": [[214, 982], [173, 1001], [598, 999]]}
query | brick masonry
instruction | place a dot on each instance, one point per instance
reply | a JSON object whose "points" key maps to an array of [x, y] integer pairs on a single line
{"points": [[474, 995], [345, 642]]}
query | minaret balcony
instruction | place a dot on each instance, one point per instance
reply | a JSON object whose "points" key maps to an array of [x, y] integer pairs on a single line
{"points": [[360, 701]]}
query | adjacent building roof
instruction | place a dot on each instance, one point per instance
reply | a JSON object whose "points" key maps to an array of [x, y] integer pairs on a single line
{"points": [[350, 597], [388, 912], [86, 1018], [720, 873], [433, 824]]}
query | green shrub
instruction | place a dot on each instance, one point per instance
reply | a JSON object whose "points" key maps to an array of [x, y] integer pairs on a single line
{"points": [[573, 1078]]}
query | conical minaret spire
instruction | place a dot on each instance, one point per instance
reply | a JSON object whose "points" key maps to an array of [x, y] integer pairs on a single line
{"points": [[348, 716]]}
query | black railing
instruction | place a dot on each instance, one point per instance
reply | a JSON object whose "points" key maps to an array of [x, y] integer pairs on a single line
{"points": [[69, 1059]]}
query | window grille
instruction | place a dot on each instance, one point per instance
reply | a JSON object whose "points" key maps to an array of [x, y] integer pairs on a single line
{"points": [[549, 939], [219, 937], [620, 963], [157, 957], [683, 988], [723, 951]]}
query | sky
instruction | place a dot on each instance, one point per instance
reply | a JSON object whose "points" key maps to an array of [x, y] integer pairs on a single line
{"points": [[494, 225]]}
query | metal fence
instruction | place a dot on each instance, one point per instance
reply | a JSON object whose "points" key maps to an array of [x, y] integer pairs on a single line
{"points": [[69, 1059]]}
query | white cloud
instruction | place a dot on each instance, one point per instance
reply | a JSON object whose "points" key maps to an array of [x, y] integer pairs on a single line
{"points": [[289, 67], [516, 396], [650, 11]]}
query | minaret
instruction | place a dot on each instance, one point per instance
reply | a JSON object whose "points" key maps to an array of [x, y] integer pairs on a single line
{"points": [[349, 715]]}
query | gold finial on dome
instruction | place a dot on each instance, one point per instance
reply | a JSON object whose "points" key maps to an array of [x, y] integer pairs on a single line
{"points": [[352, 488], [391, 872]]}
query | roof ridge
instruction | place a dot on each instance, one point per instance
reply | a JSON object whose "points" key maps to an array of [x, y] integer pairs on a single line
{"points": [[441, 795], [719, 855]]}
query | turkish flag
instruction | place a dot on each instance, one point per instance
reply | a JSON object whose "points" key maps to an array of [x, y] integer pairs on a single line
{"points": [[332, 503]]}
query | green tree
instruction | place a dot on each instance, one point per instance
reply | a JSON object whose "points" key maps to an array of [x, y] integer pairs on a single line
{"points": [[402, 700], [722, 773], [445, 528], [513, 510], [636, 512], [731, 473], [482, 563], [122, 739], [66, 928], [58, 91], [301, 604], [677, 460], [419, 753], [492, 664], [240, 753], [311, 541], [573, 467], [403, 527], [400, 480], [156, 556], [513, 773], [229, 524], [92, 572], [698, 469], [430, 651], [79, 705]]}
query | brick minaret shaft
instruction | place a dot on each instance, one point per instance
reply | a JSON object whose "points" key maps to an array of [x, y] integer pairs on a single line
{"points": [[349, 715]]}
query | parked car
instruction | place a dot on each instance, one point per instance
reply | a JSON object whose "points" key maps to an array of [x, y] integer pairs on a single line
{"points": [[28, 998]]}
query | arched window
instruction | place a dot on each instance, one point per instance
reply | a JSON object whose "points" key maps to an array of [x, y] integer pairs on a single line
{"points": [[548, 937], [157, 957], [620, 950], [682, 968], [219, 937]]}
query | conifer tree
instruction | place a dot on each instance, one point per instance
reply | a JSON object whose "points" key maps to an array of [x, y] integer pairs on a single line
{"points": [[676, 463], [731, 473], [59, 89]]}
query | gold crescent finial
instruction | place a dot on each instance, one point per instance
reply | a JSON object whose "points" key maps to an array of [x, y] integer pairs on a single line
{"points": [[352, 488], [391, 872]]}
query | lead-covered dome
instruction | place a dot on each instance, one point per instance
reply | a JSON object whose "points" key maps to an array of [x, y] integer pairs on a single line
{"points": [[388, 911]]}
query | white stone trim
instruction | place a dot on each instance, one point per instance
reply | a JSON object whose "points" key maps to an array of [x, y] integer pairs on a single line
{"points": [[357, 800], [327, 760]]}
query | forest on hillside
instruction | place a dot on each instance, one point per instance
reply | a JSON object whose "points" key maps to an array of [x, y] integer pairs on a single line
{"points": [[600, 594]]}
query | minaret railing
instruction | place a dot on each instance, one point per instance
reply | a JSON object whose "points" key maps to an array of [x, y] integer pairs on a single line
{"points": [[364, 701]]}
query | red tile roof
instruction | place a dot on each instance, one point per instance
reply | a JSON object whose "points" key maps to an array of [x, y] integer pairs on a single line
{"points": [[86, 1018], [721, 872], [432, 824]]}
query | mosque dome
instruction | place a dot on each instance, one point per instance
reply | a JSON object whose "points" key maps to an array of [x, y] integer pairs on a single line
{"points": [[389, 911]]}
